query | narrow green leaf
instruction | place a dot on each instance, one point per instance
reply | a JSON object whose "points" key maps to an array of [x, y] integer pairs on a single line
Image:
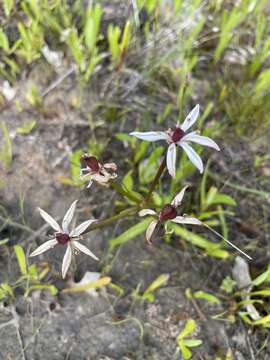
{"points": [[262, 278], [27, 127], [262, 321], [223, 199], [8, 5], [212, 249], [140, 150], [53, 289], [210, 196], [128, 181], [264, 292], [189, 328], [4, 44], [21, 259], [92, 24], [125, 38], [75, 167], [187, 354], [192, 342], [6, 151], [124, 137], [113, 34], [148, 167], [206, 296], [130, 234], [157, 283], [90, 285], [4, 241]]}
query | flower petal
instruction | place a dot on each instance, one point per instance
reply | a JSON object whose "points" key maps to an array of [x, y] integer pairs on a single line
{"points": [[110, 166], [150, 230], [193, 156], [84, 249], [102, 179], [202, 140], [84, 171], [50, 220], [179, 197], [187, 220], [66, 261], [89, 184], [145, 212], [81, 228], [191, 118], [171, 159], [69, 216], [150, 135], [44, 247]]}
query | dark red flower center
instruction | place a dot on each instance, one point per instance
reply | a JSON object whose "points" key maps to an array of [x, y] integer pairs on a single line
{"points": [[177, 134], [168, 212], [91, 162], [62, 238]]}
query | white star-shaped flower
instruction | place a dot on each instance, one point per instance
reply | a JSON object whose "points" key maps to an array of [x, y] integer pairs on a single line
{"points": [[178, 136], [168, 213], [64, 236]]}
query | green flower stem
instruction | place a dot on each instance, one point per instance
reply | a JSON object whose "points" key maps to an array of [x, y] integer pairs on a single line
{"points": [[127, 212], [155, 181]]}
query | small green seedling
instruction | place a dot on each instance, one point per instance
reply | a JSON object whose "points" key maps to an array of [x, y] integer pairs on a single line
{"points": [[27, 127], [160, 281], [118, 47], [228, 285], [33, 97], [148, 294], [185, 344], [31, 276]]}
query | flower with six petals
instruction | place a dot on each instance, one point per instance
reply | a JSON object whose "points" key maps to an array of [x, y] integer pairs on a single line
{"points": [[168, 213], [178, 136], [64, 236]]}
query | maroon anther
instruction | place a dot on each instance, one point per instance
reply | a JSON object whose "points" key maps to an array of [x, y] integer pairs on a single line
{"points": [[63, 239], [91, 162], [177, 134], [168, 212]]}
